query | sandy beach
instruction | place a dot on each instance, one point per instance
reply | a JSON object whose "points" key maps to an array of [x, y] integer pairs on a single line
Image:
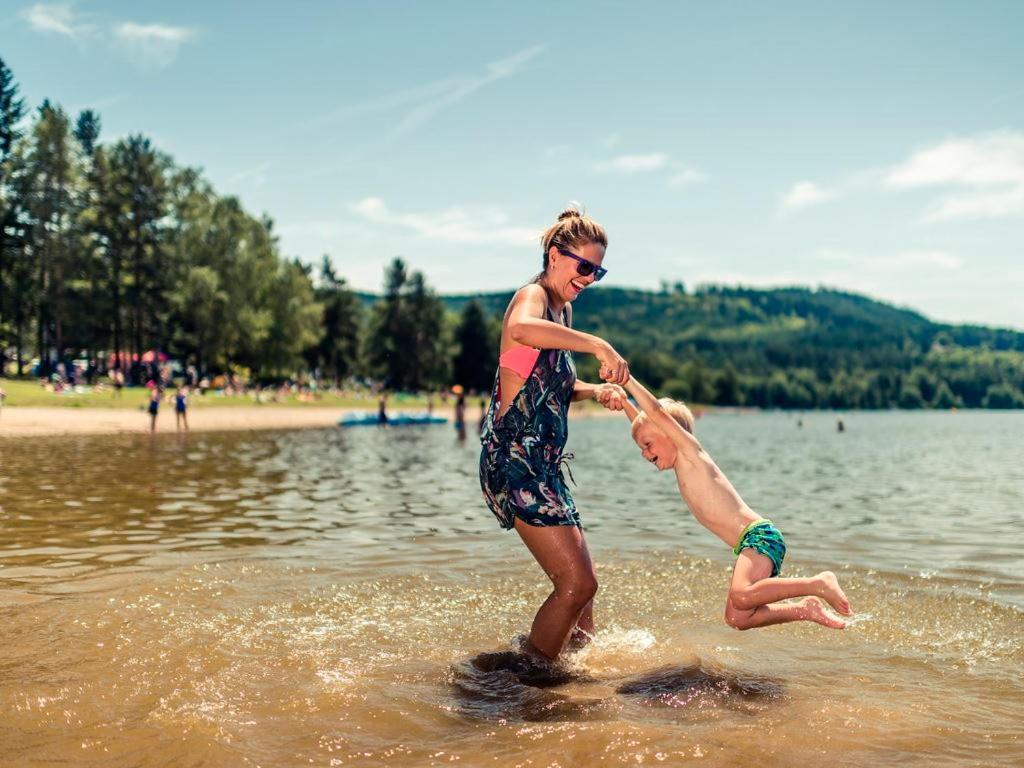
{"points": [[26, 421]]}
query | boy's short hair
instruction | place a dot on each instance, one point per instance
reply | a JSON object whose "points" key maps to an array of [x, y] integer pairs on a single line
{"points": [[679, 412], [675, 409]]}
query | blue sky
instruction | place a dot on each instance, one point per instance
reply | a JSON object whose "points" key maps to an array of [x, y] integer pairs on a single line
{"points": [[876, 147]]}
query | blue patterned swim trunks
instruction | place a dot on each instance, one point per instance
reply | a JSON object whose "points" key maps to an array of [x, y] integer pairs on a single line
{"points": [[764, 538]]}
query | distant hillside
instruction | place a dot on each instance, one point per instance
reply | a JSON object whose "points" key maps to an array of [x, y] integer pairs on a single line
{"points": [[796, 347]]}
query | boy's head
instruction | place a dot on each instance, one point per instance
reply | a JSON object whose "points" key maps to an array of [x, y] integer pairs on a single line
{"points": [[654, 444]]}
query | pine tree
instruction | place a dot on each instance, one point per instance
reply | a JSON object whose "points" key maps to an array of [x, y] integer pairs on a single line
{"points": [[12, 109], [337, 351], [476, 361]]}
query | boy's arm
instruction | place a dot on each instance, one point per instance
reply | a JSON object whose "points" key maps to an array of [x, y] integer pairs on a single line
{"points": [[656, 412]]}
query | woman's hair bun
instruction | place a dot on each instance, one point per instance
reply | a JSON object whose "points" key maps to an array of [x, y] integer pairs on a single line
{"points": [[570, 213]]}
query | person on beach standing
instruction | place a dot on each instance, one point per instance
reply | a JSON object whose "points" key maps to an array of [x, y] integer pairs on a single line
{"points": [[154, 406], [180, 407], [460, 412], [526, 426]]}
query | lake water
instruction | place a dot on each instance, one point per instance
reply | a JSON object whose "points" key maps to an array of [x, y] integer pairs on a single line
{"points": [[317, 597]]}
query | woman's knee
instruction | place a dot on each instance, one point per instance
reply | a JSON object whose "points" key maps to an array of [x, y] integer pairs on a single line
{"points": [[577, 586]]}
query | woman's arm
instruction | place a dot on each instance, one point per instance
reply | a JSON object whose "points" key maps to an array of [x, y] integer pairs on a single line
{"points": [[526, 325]]}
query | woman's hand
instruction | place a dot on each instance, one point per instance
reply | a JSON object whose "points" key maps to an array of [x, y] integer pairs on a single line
{"points": [[611, 396], [614, 368]]}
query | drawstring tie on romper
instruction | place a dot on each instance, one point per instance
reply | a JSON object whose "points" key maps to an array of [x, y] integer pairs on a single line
{"points": [[564, 460]]}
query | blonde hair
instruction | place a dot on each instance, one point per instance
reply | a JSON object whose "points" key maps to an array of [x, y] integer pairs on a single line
{"points": [[678, 411], [572, 229]]}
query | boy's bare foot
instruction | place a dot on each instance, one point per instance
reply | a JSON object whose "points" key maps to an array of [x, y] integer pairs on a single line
{"points": [[814, 611], [833, 593]]}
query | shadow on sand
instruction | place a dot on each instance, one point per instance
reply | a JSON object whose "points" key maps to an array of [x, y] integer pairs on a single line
{"points": [[700, 684], [509, 685]]}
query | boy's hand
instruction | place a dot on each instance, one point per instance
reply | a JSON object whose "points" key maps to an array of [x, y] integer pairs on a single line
{"points": [[611, 396]]}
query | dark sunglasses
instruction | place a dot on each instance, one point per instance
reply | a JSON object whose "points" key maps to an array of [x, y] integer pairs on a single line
{"points": [[584, 267]]}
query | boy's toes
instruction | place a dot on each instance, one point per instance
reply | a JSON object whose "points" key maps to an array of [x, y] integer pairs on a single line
{"points": [[833, 622], [819, 614]]}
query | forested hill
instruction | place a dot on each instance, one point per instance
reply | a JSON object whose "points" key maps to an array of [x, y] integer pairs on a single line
{"points": [[796, 347]]}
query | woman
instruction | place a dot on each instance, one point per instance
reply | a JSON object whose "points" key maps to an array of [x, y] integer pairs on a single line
{"points": [[526, 425]]}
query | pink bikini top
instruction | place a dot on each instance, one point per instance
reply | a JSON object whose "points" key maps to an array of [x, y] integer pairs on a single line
{"points": [[519, 360]]}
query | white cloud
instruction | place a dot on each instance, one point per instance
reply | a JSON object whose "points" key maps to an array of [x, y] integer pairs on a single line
{"points": [[461, 88], [982, 177], [421, 104], [470, 225], [633, 163], [153, 44], [978, 205], [684, 177], [59, 18], [995, 158], [804, 194], [987, 170]]}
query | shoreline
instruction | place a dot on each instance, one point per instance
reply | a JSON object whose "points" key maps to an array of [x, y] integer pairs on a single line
{"points": [[41, 421]]}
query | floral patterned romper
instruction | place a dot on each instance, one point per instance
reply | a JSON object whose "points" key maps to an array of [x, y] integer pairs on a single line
{"points": [[520, 464]]}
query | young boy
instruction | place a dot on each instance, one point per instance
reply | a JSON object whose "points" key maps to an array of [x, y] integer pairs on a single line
{"points": [[664, 434]]}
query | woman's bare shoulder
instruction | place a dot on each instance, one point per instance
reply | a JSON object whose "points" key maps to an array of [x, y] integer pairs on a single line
{"points": [[532, 296]]}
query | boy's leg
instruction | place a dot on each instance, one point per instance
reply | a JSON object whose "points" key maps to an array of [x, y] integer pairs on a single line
{"points": [[753, 568], [753, 585]]}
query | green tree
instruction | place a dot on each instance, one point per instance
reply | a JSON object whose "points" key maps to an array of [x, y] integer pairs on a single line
{"points": [[428, 365], [727, 387], [390, 338], [477, 358], [944, 397], [53, 204], [910, 395], [12, 110], [698, 382], [1003, 396], [140, 187], [91, 307], [337, 350], [295, 321], [200, 307]]}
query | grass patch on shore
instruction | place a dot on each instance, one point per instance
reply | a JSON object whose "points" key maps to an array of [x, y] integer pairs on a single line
{"points": [[31, 393]]}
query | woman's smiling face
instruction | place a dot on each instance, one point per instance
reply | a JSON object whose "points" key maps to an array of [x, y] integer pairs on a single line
{"points": [[563, 273]]}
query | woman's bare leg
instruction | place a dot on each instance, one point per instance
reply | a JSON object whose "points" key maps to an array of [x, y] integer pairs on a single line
{"points": [[583, 632], [562, 552]]}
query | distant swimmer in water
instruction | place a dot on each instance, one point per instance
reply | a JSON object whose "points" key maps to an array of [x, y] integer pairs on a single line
{"points": [[840, 427], [664, 433], [382, 410]]}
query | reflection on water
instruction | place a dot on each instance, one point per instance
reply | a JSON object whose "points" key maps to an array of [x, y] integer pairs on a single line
{"points": [[281, 598]]}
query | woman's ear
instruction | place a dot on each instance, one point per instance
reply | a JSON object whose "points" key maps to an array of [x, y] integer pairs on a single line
{"points": [[553, 256]]}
